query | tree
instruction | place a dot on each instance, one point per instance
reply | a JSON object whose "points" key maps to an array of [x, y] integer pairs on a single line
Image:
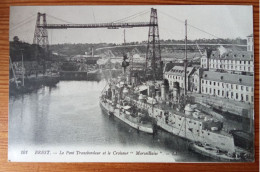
{"points": [[15, 39]]}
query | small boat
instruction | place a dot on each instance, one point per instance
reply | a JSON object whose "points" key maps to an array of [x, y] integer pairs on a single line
{"points": [[214, 152]]}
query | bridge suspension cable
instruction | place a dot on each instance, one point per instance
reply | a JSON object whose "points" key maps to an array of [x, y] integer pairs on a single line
{"points": [[182, 21], [131, 16], [23, 22], [94, 17], [59, 19]]}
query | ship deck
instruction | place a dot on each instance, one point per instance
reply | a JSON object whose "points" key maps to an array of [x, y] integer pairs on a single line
{"points": [[170, 109]]}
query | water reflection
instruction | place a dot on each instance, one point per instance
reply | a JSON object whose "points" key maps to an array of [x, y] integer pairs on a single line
{"points": [[69, 115]]}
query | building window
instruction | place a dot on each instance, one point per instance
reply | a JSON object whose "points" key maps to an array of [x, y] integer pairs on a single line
{"points": [[241, 87], [218, 92], [236, 95], [206, 90], [246, 88], [242, 97], [252, 98], [210, 90], [236, 86], [222, 93], [214, 83], [209, 82], [231, 94], [246, 97]]}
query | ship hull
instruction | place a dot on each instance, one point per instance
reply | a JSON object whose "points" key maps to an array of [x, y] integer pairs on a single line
{"points": [[212, 153], [109, 110], [187, 128]]}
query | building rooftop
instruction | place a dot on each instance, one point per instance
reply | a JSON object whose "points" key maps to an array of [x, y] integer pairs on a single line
{"points": [[229, 78], [179, 70], [233, 55], [169, 66]]}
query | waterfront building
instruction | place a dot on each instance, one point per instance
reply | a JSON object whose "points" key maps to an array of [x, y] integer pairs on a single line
{"points": [[176, 74], [226, 85], [195, 85], [240, 62], [169, 65], [250, 43]]}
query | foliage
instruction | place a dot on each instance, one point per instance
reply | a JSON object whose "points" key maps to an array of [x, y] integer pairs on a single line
{"points": [[76, 49], [30, 52]]}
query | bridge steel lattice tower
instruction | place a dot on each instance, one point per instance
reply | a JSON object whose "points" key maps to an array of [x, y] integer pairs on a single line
{"points": [[153, 65], [153, 53], [41, 33]]}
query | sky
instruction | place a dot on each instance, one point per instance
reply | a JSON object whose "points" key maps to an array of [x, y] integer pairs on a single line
{"points": [[217, 21]]}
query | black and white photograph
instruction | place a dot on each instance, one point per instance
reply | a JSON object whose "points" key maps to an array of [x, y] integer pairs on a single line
{"points": [[151, 83]]}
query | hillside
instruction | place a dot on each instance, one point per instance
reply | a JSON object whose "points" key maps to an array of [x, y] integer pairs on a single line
{"points": [[168, 47]]}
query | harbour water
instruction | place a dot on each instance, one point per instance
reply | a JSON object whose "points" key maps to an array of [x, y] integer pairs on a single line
{"points": [[69, 115]]}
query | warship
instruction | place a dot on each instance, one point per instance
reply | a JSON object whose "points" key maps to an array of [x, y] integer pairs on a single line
{"points": [[144, 100], [136, 105]]}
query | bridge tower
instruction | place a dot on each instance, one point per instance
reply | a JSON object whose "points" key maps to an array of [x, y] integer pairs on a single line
{"points": [[41, 39], [41, 33], [153, 68]]}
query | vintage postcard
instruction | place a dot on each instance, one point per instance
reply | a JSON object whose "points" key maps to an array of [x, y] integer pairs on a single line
{"points": [[131, 84]]}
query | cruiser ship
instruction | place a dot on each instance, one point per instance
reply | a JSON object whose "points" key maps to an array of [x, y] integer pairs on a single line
{"points": [[145, 101], [124, 110], [138, 106]]}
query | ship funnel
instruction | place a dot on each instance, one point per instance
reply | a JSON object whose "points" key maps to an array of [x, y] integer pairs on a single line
{"points": [[151, 90], [176, 91], [157, 95], [163, 95], [164, 89]]}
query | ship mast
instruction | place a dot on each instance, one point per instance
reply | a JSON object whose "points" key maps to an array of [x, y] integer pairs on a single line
{"points": [[185, 71], [124, 37], [185, 61]]}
